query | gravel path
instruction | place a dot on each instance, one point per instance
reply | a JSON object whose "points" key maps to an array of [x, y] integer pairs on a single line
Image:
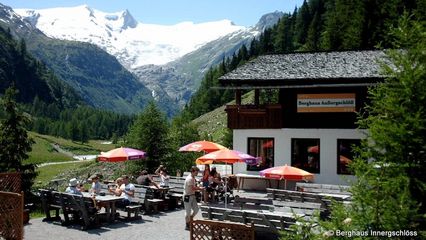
{"points": [[162, 226]]}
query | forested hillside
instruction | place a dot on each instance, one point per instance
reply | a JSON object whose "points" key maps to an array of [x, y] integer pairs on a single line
{"points": [[318, 25], [55, 108], [96, 76], [30, 76]]}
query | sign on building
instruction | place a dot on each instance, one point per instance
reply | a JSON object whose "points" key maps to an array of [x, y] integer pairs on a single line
{"points": [[331, 102]]}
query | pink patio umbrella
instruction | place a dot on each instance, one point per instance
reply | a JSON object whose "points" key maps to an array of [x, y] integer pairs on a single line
{"points": [[121, 154]]}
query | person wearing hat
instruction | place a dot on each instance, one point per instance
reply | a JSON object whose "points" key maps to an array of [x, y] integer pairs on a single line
{"points": [[72, 187], [96, 186]]}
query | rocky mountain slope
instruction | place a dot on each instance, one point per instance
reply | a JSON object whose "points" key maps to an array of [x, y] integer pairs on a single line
{"points": [[169, 60], [96, 75]]}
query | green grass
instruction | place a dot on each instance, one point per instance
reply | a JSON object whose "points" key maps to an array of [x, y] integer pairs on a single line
{"points": [[214, 123], [92, 147], [43, 152], [47, 173]]}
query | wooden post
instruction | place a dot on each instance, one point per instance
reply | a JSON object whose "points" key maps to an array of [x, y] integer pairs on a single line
{"points": [[238, 96], [256, 97]]}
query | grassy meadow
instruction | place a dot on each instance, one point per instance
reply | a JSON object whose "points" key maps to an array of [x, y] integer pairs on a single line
{"points": [[44, 152]]}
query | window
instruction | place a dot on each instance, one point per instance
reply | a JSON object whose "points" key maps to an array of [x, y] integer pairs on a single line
{"points": [[306, 154], [345, 154], [263, 148]]}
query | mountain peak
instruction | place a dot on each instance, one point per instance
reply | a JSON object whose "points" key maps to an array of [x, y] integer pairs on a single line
{"points": [[268, 20], [128, 20]]}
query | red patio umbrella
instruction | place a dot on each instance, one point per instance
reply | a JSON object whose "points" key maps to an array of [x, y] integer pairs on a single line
{"points": [[121, 154], [313, 149], [226, 156], [268, 144], [200, 146], [287, 173]]}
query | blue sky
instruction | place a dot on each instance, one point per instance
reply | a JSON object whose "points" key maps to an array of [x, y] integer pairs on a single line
{"points": [[168, 12]]}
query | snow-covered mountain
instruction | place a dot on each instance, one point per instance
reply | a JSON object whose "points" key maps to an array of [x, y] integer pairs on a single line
{"points": [[133, 43], [169, 60]]}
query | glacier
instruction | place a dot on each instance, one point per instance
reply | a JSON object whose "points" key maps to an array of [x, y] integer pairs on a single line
{"points": [[134, 43]]}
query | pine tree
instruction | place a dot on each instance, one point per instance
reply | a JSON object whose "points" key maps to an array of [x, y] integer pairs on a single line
{"points": [[14, 141], [397, 113], [182, 132], [150, 133], [303, 20]]}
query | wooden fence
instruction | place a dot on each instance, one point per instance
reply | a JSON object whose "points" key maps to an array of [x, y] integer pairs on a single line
{"points": [[11, 207], [10, 182], [215, 230]]}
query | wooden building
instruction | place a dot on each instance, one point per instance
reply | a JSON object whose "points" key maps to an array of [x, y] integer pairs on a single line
{"points": [[312, 123]]}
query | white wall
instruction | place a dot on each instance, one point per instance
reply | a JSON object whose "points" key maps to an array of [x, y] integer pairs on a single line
{"points": [[282, 155]]}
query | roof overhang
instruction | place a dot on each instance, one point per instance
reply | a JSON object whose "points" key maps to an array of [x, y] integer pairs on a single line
{"points": [[336, 85]]}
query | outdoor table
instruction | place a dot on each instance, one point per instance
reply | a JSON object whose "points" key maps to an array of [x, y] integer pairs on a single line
{"points": [[160, 192], [241, 177], [108, 202]]}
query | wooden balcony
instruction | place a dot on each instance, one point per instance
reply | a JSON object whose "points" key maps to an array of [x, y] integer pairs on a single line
{"points": [[254, 116]]}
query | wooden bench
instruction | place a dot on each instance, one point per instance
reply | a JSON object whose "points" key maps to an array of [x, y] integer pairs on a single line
{"points": [[134, 208], [264, 221], [323, 200], [145, 201], [253, 203], [83, 209], [175, 194], [48, 203], [323, 188], [211, 229], [105, 188]]}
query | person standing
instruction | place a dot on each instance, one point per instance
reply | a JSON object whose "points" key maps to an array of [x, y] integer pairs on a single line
{"points": [[189, 200], [164, 176], [205, 179]]}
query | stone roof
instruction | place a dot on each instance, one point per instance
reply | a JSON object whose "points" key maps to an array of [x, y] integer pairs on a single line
{"points": [[319, 65]]}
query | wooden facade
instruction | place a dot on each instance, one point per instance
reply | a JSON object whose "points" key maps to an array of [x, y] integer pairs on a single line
{"points": [[285, 114], [254, 116]]}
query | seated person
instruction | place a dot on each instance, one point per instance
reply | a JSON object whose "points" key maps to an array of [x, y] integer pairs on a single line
{"points": [[164, 176], [96, 186], [116, 190], [72, 187], [146, 180], [127, 191]]}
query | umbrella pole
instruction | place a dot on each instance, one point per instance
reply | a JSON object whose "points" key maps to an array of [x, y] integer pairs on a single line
{"points": [[285, 184], [226, 186]]}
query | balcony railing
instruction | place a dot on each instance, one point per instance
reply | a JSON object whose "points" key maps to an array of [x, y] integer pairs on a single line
{"points": [[254, 116]]}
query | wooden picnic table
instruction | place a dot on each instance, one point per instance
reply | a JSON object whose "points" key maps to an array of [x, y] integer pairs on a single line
{"points": [[108, 202]]}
